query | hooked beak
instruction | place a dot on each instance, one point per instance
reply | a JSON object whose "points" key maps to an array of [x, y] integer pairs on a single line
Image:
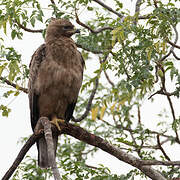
{"points": [[74, 31], [69, 33], [77, 31]]}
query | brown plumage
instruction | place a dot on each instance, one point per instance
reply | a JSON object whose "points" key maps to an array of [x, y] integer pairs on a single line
{"points": [[56, 72]]}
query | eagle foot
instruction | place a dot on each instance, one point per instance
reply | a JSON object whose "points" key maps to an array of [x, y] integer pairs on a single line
{"points": [[55, 122]]}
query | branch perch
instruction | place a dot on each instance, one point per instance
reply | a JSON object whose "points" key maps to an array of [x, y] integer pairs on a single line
{"points": [[83, 135]]}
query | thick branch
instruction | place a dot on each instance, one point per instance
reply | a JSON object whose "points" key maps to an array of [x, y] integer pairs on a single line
{"points": [[83, 135], [96, 141], [25, 90]]}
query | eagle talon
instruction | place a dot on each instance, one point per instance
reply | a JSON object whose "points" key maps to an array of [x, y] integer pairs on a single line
{"points": [[55, 122], [36, 132]]}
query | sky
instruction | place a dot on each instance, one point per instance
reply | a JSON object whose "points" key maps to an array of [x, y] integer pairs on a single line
{"points": [[17, 125]]}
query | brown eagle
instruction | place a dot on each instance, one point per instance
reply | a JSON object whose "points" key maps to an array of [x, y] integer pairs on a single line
{"points": [[56, 73]]}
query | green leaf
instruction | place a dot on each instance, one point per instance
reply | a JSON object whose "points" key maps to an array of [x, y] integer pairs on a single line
{"points": [[14, 70], [90, 8], [32, 20], [4, 27], [39, 17], [2, 68], [5, 110], [13, 34]]}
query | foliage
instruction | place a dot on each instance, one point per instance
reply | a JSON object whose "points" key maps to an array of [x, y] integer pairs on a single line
{"points": [[135, 59]]}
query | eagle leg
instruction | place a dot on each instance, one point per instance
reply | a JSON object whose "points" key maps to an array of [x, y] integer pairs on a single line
{"points": [[55, 121]]}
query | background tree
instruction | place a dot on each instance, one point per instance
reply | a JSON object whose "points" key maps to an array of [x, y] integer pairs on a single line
{"points": [[134, 56]]}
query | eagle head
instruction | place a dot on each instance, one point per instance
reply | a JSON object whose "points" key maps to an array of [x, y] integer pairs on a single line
{"points": [[60, 27]]}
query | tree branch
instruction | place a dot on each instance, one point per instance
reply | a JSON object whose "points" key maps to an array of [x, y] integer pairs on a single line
{"points": [[155, 3], [25, 90], [108, 79], [161, 148], [90, 29], [174, 54], [83, 135], [137, 10], [173, 44], [52, 1], [174, 117], [27, 29], [89, 50], [156, 162], [108, 8], [88, 107], [172, 47]]}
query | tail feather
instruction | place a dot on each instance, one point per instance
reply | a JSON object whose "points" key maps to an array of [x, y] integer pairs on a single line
{"points": [[43, 160]]}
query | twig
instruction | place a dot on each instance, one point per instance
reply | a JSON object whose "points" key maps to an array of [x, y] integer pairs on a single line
{"points": [[156, 162], [92, 167], [139, 115], [90, 29], [162, 92], [175, 55], [165, 56], [161, 148], [108, 79], [137, 10], [172, 48], [155, 3], [52, 1], [25, 90], [108, 8], [173, 44], [90, 50], [27, 29], [150, 132], [174, 117], [88, 107]]}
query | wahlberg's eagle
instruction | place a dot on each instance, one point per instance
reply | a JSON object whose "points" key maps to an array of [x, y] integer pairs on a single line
{"points": [[56, 73]]}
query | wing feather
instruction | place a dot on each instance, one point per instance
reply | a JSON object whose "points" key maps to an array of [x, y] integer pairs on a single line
{"points": [[70, 108], [37, 58]]}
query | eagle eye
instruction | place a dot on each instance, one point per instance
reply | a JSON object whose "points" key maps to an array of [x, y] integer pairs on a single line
{"points": [[68, 27]]}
